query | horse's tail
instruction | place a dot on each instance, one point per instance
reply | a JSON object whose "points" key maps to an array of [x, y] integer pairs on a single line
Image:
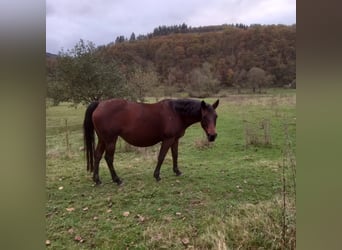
{"points": [[89, 135]]}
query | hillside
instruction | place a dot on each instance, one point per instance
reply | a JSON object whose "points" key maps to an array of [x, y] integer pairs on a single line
{"points": [[228, 49]]}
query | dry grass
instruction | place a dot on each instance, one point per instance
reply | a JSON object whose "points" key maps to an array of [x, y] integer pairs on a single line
{"points": [[268, 100], [250, 226], [203, 143], [162, 235]]}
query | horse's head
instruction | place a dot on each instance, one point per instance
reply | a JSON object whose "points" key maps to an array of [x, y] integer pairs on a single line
{"points": [[208, 121]]}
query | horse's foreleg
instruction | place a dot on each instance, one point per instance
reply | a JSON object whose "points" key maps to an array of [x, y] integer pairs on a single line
{"points": [[174, 150], [163, 150], [97, 158], [109, 156]]}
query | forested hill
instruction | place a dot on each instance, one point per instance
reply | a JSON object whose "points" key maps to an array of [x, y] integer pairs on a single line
{"points": [[231, 51]]}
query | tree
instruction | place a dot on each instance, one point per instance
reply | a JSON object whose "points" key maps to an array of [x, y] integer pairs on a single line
{"points": [[132, 38], [175, 79], [120, 39], [142, 82], [202, 82], [257, 78], [56, 91], [86, 77], [240, 80]]}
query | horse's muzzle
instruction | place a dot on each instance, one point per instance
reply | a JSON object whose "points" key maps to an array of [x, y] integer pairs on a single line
{"points": [[212, 137]]}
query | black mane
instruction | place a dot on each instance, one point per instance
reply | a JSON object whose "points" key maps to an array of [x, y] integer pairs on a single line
{"points": [[187, 107]]}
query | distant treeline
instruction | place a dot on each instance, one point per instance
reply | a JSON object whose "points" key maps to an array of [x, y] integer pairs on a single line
{"points": [[176, 50], [164, 30]]}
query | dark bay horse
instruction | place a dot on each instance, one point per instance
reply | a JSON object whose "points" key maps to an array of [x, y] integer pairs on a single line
{"points": [[142, 125]]}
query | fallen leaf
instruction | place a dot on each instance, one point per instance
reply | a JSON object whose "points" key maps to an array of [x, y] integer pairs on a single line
{"points": [[96, 218], [125, 214], [60, 188], [167, 218], [185, 241], [159, 209], [109, 210], [85, 209], [47, 242], [70, 209], [79, 239], [140, 218], [157, 237], [178, 213], [71, 231]]}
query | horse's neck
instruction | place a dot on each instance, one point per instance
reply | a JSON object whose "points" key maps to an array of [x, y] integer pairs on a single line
{"points": [[189, 111], [189, 120]]}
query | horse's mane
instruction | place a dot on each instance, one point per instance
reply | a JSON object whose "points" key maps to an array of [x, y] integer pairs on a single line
{"points": [[187, 107]]}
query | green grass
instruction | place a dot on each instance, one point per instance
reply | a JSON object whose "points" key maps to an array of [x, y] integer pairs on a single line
{"points": [[229, 196]]}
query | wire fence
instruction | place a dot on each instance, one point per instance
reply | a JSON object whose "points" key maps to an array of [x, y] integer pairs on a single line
{"points": [[257, 133]]}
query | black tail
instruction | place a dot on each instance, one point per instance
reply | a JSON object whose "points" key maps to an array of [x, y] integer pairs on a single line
{"points": [[89, 135]]}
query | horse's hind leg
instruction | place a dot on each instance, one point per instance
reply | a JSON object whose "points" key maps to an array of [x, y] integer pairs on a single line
{"points": [[109, 156], [174, 150], [97, 158]]}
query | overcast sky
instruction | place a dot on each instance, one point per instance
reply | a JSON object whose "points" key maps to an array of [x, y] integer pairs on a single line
{"points": [[101, 21]]}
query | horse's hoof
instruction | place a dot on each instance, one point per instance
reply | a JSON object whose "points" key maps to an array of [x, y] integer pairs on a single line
{"points": [[178, 173], [156, 175], [118, 181], [98, 183]]}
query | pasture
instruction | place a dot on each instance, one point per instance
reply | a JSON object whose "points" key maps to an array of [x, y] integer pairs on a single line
{"points": [[235, 193]]}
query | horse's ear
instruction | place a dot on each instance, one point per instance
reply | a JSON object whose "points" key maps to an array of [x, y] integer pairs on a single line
{"points": [[203, 105], [216, 104]]}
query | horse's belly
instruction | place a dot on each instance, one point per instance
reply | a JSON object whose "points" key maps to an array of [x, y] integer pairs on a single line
{"points": [[146, 129], [141, 140]]}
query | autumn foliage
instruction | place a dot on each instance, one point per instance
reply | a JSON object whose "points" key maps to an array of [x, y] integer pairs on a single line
{"points": [[229, 50]]}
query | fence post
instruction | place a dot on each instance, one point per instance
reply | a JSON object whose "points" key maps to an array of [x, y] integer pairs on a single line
{"points": [[67, 136], [266, 127]]}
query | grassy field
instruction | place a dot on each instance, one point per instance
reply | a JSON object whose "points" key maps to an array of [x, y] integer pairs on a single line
{"points": [[230, 196]]}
